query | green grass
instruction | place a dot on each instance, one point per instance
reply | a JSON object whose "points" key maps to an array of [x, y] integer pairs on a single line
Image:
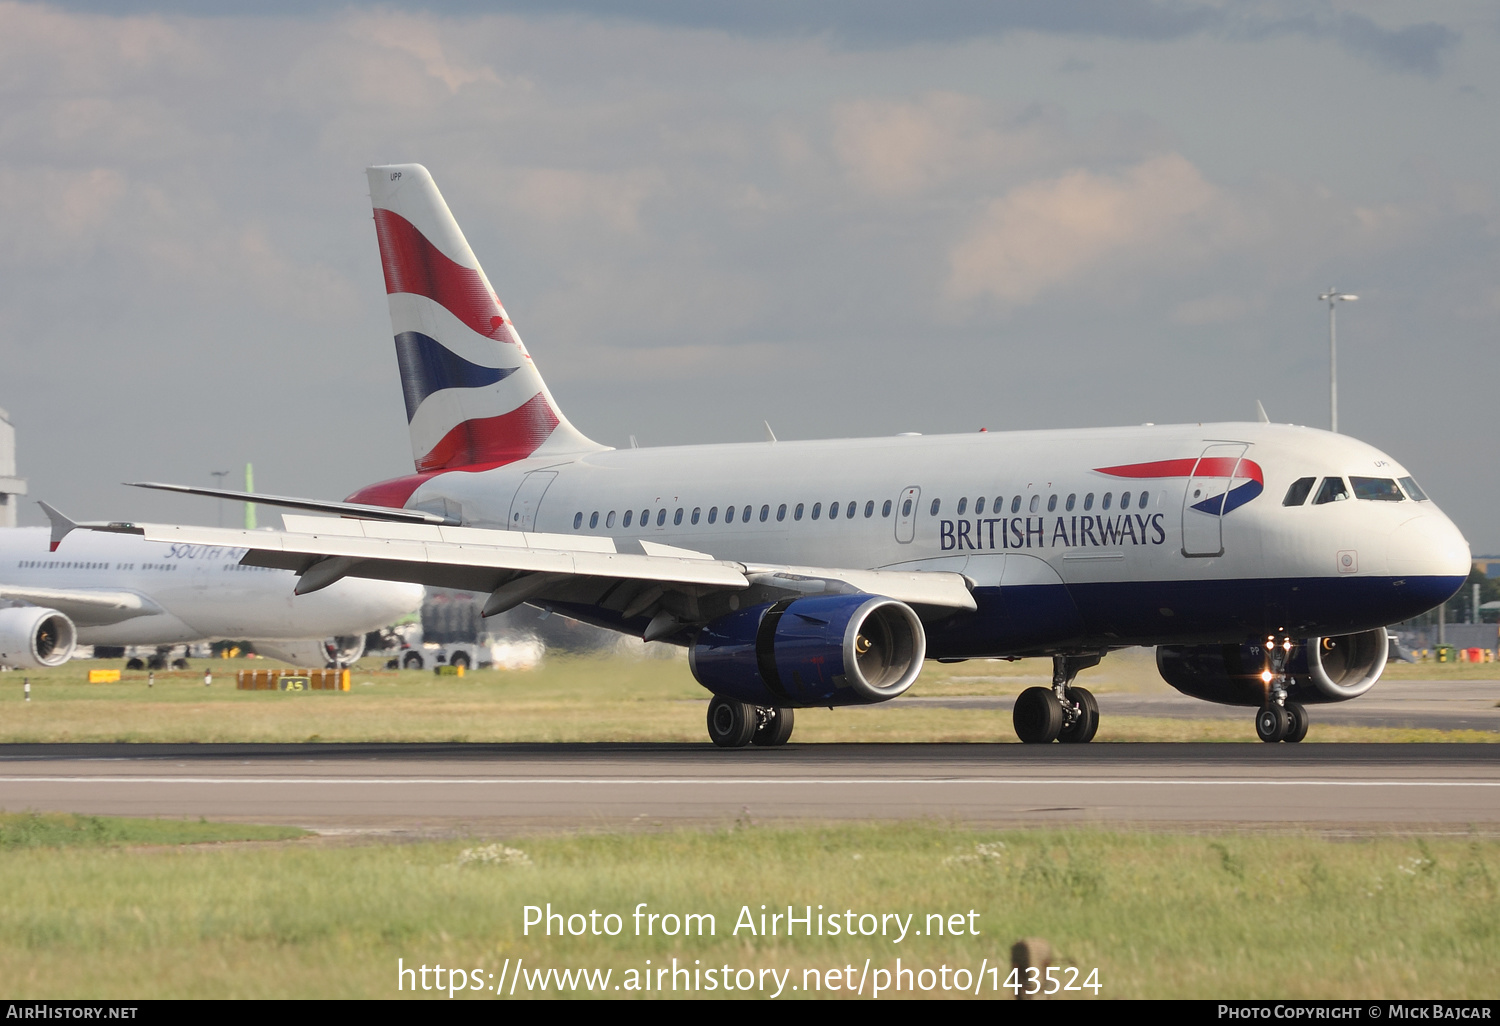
{"points": [[571, 699], [1224, 915], [62, 830]]}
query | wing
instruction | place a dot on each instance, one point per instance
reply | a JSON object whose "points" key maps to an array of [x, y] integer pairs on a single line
{"points": [[653, 590], [86, 607]]}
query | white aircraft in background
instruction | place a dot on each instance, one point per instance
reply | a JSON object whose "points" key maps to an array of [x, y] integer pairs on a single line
{"points": [[118, 590], [1264, 561]]}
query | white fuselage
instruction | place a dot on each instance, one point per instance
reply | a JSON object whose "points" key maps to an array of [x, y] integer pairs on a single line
{"points": [[1157, 570], [193, 592]]}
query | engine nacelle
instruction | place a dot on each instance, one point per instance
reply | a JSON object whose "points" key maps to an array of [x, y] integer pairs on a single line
{"points": [[821, 650], [346, 649], [32, 638], [1321, 670]]}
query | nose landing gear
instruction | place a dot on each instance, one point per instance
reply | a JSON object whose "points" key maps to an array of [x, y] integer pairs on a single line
{"points": [[1062, 712], [1279, 719]]}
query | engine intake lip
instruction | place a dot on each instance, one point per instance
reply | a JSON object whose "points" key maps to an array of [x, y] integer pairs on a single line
{"points": [[892, 659], [1346, 666]]}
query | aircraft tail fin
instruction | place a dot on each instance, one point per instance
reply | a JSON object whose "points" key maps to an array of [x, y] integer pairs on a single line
{"points": [[473, 396]]}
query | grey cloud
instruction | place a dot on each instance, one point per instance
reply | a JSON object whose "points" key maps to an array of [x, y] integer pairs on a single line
{"points": [[883, 24]]}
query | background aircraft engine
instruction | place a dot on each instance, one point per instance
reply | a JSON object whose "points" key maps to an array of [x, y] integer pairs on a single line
{"points": [[1328, 669], [314, 652], [32, 638], [823, 650]]}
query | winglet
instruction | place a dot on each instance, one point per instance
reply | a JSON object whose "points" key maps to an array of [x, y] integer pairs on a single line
{"points": [[61, 525], [1260, 413]]}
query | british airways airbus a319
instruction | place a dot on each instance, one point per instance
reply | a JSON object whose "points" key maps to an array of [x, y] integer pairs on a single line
{"points": [[1262, 561]]}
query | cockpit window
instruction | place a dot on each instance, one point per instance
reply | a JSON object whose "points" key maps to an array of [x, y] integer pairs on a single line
{"points": [[1381, 489], [1297, 494], [1333, 490], [1410, 484]]}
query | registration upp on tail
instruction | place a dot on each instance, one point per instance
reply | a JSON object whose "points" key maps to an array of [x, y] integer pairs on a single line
{"points": [[1262, 561]]}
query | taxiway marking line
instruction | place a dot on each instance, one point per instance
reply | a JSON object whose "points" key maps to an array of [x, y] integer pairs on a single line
{"points": [[863, 781]]}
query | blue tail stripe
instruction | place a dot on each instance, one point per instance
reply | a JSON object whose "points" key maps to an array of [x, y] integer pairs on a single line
{"points": [[427, 366]]}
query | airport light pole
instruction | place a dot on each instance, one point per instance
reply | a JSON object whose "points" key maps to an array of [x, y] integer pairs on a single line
{"points": [[1333, 299], [221, 475]]}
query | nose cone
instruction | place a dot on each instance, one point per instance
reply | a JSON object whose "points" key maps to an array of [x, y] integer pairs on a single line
{"points": [[400, 597], [1429, 549]]}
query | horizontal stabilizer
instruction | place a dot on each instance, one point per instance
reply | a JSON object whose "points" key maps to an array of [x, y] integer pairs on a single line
{"points": [[344, 509]]}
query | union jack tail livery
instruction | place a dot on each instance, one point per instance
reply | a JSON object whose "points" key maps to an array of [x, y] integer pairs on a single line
{"points": [[474, 399]]}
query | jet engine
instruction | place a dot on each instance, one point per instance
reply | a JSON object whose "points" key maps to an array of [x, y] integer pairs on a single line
{"points": [[820, 650], [315, 651], [32, 638], [1320, 670]]}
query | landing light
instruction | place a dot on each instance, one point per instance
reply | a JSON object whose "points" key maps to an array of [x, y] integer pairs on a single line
{"points": [[1265, 675]]}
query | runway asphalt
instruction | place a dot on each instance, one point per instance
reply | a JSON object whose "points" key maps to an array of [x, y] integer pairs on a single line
{"points": [[1358, 787]]}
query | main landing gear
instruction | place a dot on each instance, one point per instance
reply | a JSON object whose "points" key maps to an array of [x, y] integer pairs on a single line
{"points": [[1279, 719], [1062, 712], [734, 724]]}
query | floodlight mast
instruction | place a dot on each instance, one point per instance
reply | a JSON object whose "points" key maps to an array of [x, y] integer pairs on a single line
{"points": [[1333, 298]]}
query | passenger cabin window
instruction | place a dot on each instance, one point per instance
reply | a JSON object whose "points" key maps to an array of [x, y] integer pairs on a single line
{"points": [[963, 504], [1297, 494], [1088, 502], [1071, 500], [797, 513], [817, 510], [1104, 504], [728, 514], [1380, 489], [677, 517], [849, 513], [609, 521], [979, 505], [781, 512], [696, 511], [645, 518], [629, 513], [885, 510], [869, 509], [1124, 500], [745, 514], [935, 504], [661, 516], [577, 521], [1410, 484], [833, 511], [713, 514], [1036, 501], [1015, 504], [593, 520], [1051, 504], [1333, 490], [765, 511]]}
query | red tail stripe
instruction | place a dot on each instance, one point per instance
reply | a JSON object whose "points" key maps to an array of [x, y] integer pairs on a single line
{"points": [[1213, 466], [412, 264], [397, 490], [504, 439]]}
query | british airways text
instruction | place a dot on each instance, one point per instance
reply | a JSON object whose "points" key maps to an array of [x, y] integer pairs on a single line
{"points": [[1066, 532]]}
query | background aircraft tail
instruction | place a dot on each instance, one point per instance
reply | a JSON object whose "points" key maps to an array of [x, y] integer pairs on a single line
{"points": [[473, 396]]}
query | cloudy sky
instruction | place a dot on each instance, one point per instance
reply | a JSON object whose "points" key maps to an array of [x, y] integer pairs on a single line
{"points": [[847, 219]]}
